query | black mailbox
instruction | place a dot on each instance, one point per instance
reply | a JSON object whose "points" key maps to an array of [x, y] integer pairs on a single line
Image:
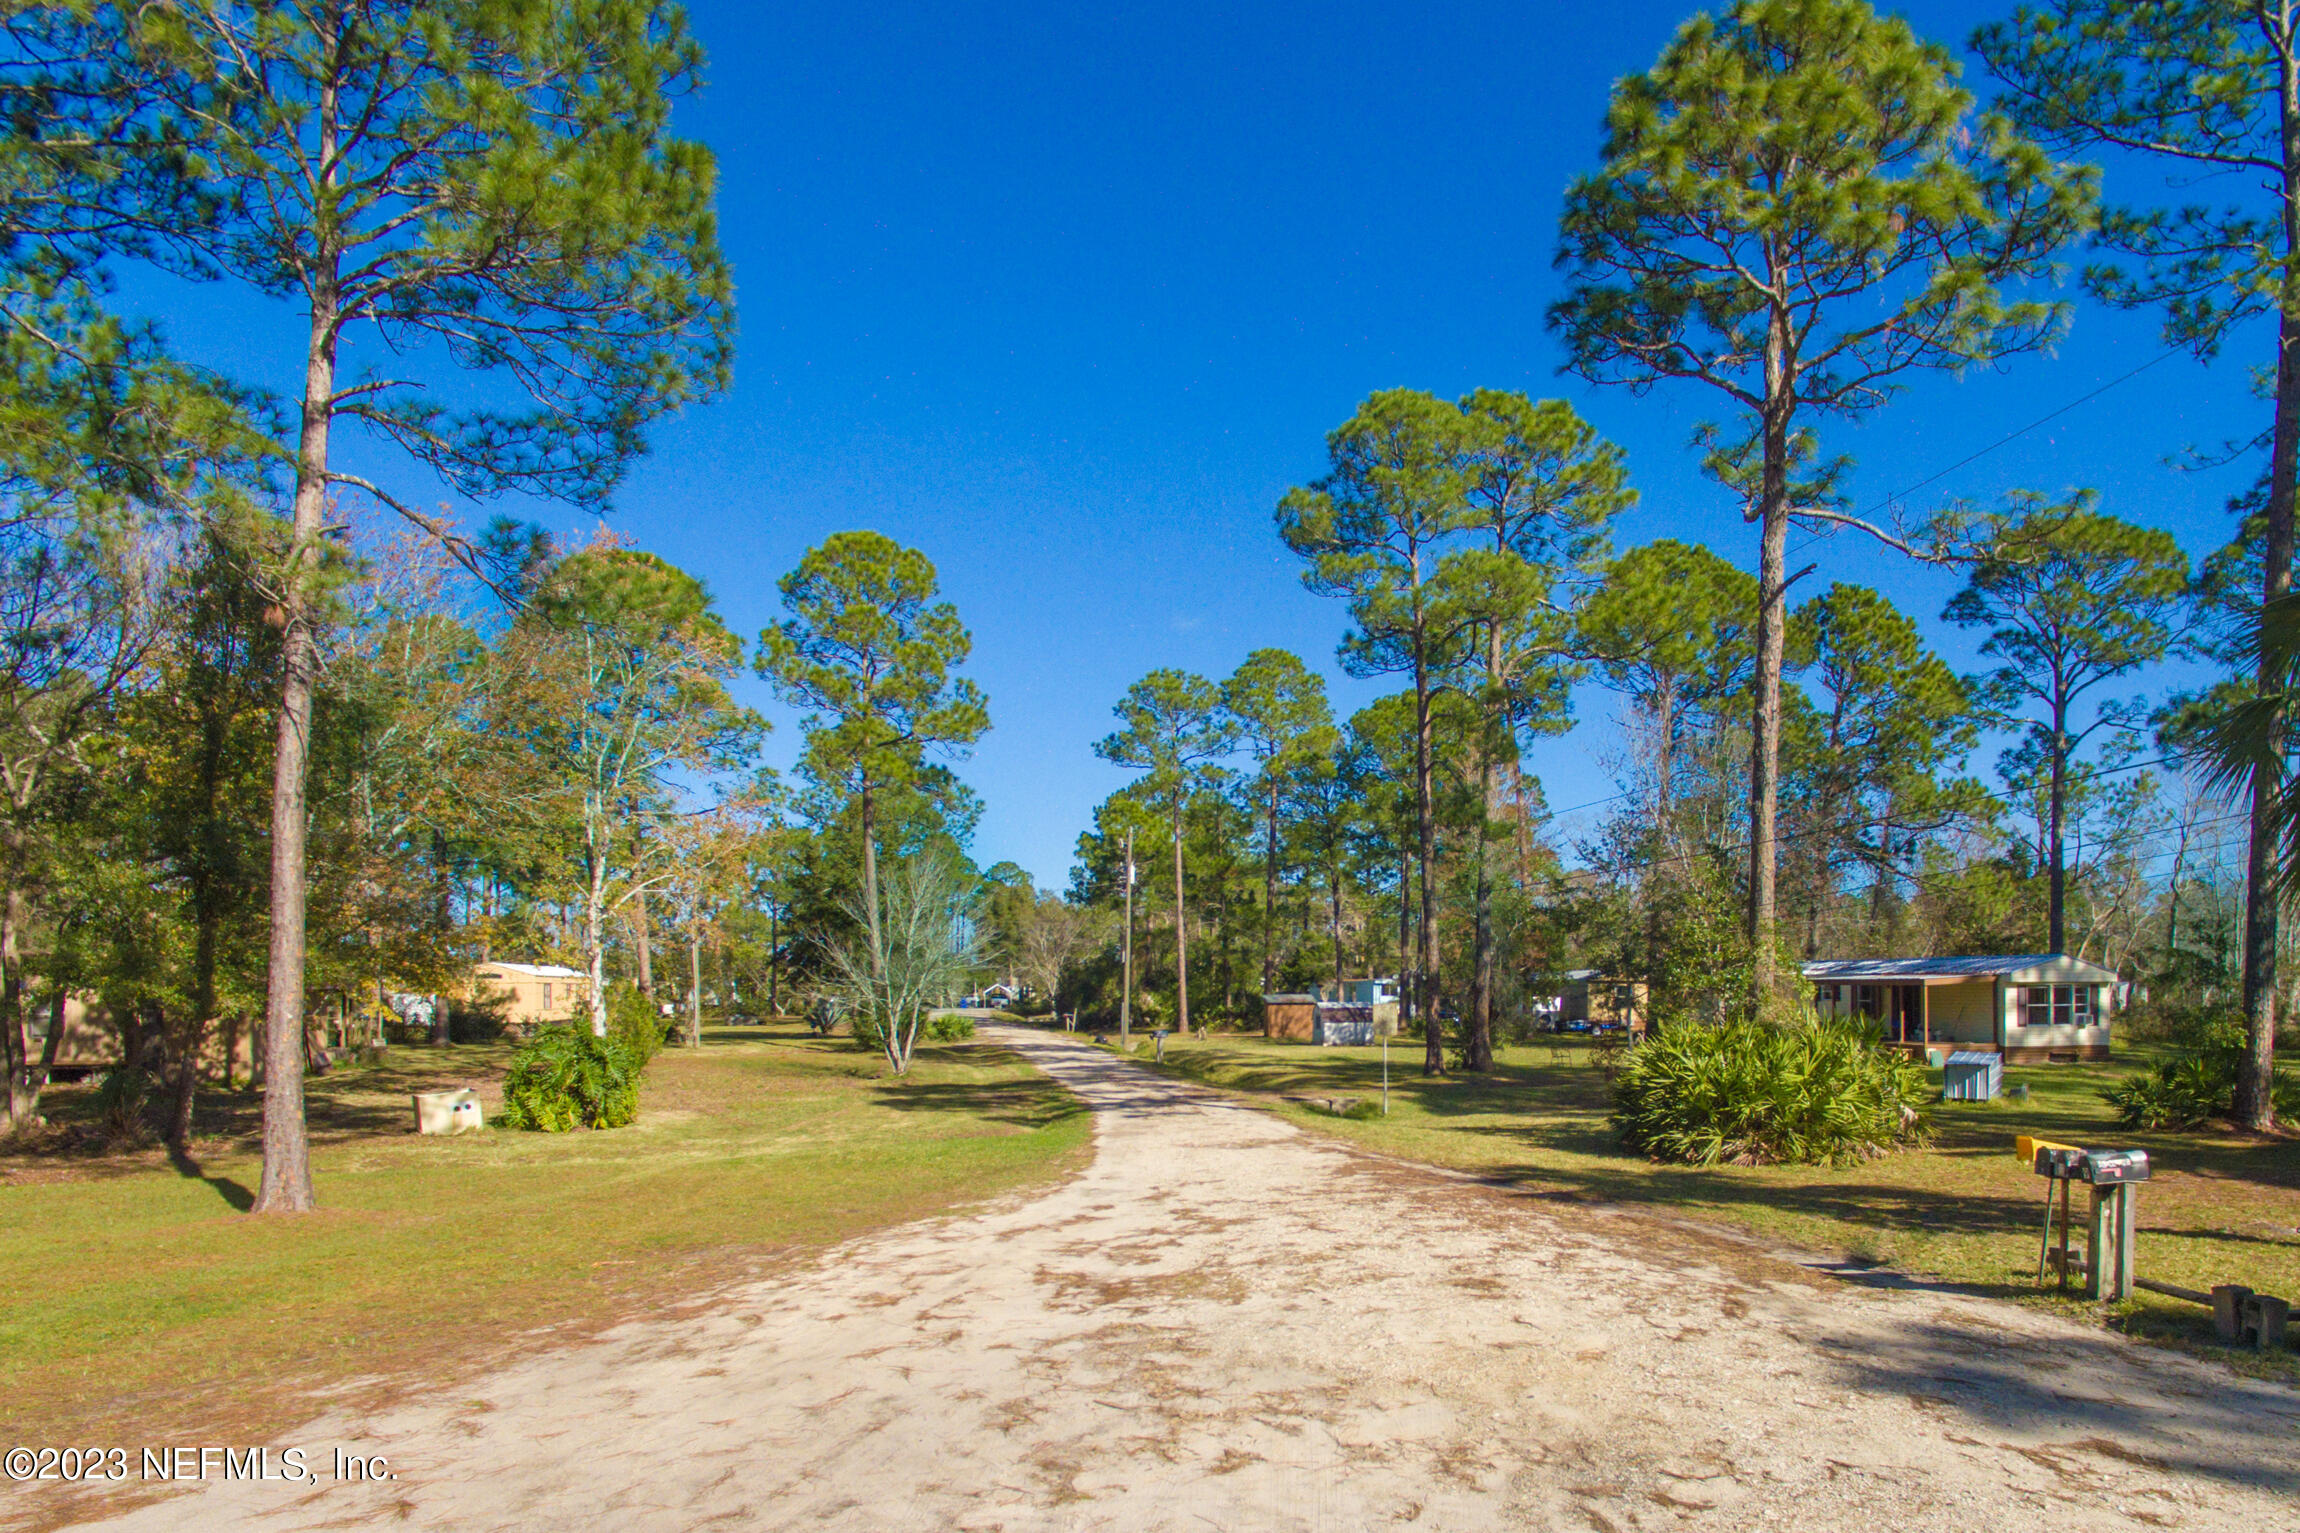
{"points": [[2106, 1168], [2061, 1165]]}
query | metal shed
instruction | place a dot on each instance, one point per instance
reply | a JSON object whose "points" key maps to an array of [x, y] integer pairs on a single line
{"points": [[1972, 1075]]}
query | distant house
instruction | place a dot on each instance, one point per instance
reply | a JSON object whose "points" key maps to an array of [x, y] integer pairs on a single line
{"points": [[1380, 994], [90, 1040], [1591, 996], [2033, 1008], [533, 992]]}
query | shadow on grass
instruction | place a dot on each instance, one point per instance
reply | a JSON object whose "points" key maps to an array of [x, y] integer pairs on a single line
{"points": [[1025, 1104], [232, 1192]]}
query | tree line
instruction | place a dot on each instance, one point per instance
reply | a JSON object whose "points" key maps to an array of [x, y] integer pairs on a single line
{"points": [[275, 736], [1798, 210], [280, 741]]}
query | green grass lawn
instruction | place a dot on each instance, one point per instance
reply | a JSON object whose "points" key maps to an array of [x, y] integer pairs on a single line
{"points": [[2221, 1208], [139, 1293]]}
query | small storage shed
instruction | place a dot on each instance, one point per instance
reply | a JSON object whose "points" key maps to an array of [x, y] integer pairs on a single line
{"points": [[1972, 1075], [1289, 1016]]}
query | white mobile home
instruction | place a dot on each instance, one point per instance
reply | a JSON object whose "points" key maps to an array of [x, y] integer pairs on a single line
{"points": [[2033, 1008]]}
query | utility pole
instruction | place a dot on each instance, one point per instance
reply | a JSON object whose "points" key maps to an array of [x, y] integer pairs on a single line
{"points": [[1126, 995]]}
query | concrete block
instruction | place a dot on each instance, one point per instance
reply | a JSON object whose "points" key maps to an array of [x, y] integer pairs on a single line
{"points": [[447, 1112]]}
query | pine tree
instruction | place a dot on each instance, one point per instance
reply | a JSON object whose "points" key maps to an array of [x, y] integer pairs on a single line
{"points": [[1797, 209]]}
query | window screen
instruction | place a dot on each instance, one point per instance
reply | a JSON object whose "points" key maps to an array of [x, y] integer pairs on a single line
{"points": [[2060, 1005]]}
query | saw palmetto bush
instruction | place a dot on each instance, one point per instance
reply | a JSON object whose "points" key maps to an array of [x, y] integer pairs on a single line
{"points": [[2199, 1084], [564, 1078], [1749, 1093]]}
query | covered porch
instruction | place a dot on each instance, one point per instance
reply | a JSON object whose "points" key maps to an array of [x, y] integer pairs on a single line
{"points": [[1918, 1011]]}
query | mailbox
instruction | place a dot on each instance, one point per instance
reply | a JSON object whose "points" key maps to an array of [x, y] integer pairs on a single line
{"points": [[2060, 1162], [2108, 1168]]}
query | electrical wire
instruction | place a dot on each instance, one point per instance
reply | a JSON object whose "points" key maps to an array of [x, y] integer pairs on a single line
{"points": [[1816, 535]]}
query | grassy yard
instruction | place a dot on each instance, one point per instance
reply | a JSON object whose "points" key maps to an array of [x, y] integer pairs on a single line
{"points": [[2220, 1209], [138, 1293]]}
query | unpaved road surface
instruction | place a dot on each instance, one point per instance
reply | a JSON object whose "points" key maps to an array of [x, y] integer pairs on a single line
{"points": [[1228, 1324]]}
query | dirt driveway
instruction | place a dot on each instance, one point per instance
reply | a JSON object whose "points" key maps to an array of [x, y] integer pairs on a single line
{"points": [[1228, 1324]]}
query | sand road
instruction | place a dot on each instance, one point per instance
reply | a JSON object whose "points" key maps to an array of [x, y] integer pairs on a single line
{"points": [[1225, 1323]]}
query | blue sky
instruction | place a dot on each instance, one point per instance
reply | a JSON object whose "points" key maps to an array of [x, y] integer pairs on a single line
{"points": [[1067, 297]]}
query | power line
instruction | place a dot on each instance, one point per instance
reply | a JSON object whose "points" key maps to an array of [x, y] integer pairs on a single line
{"points": [[1845, 827], [2007, 440]]}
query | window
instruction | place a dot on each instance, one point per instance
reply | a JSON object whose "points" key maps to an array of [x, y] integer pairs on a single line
{"points": [[1865, 1001], [2059, 1006]]}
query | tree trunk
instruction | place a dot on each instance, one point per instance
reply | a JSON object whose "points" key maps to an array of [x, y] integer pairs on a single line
{"points": [[1477, 1046], [774, 967], [695, 988], [1270, 896], [1425, 824], [2056, 809], [870, 885], [1181, 934], [640, 939], [285, 1186], [1405, 940], [132, 1036], [1334, 893], [41, 1073], [18, 1051], [1126, 985], [445, 925], [1772, 647], [595, 934], [187, 1082], [2255, 1104]]}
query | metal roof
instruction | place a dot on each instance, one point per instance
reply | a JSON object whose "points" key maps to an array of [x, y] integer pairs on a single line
{"points": [[1943, 968], [533, 970]]}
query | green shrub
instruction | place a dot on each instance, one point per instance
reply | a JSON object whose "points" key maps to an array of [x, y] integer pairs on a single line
{"points": [[2178, 1094], [947, 1029], [634, 1019], [477, 1021], [564, 1078], [1752, 1094], [2187, 1092], [121, 1098]]}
